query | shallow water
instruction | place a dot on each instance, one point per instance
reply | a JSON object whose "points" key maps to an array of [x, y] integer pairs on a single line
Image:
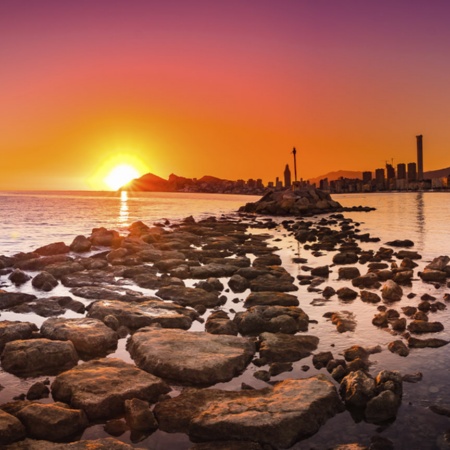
{"points": [[31, 220]]}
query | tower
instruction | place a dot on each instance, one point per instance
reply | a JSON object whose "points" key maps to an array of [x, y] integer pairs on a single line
{"points": [[419, 157], [287, 177]]}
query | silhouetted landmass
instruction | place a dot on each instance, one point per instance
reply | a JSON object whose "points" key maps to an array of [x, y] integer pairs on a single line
{"points": [[440, 173], [336, 175]]}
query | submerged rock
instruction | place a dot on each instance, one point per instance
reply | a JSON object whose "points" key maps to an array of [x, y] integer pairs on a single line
{"points": [[278, 416], [196, 358]]}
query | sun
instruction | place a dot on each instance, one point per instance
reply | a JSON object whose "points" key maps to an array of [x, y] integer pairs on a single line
{"points": [[120, 175]]}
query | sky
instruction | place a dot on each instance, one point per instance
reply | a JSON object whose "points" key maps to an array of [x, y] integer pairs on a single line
{"points": [[222, 88]]}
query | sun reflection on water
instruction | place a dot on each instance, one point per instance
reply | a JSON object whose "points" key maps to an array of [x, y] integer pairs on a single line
{"points": [[124, 214]]}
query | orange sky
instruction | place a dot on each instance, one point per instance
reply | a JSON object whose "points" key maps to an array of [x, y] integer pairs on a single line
{"points": [[219, 88]]}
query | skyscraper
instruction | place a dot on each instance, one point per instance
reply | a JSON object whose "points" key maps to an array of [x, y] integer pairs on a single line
{"points": [[419, 158], [287, 177]]}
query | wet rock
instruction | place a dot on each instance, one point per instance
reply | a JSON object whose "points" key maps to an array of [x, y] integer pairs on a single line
{"points": [[344, 320], [439, 263], [115, 427], [56, 248], [345, 258], [139, 416], [100, 387], [401, 243], [441, 410], [238, 283], [403, 277], [279, 347], [37, 391], [328, 292], [356, 351], [322, 359], [80, 244], [276, 368], [40, 263], [218, 322], [383, 407], [357, 388], [50, 306], [409, 310], [369, 297], [137, 315], [105, 238], [18, 277], [278, 416], [274, 319], [11, 429], [322, 271], [52, 422], [262, 375], [267, 260], [381, 320], [270, 282], [423, 343], [38, 357], [421, 326], [14, 330], [346, 293], [11, 299], [432, 276], [44, 281], [213, 270], [270, 298], [90, 337], [227, 445], [407, 254], [399, 324], [94, 444], [93, 277], [391, 291], [186, 296], [412, 377], [190, 357], [368, 281], [399, 348]]}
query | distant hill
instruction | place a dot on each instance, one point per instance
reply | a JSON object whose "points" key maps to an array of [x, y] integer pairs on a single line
{"points": [[336, 175], [440, 173]]}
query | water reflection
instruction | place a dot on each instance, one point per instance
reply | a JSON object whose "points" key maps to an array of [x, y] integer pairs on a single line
{"points": [[124, 214], [420, 218]]}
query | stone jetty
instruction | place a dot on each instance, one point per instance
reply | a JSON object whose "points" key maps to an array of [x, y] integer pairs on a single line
{"points": [[151, 330]]}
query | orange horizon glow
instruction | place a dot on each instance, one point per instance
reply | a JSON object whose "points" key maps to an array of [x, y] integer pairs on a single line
{"points": [[221, 89]]}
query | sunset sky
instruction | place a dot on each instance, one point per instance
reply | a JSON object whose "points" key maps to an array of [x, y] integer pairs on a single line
{"points": [[223, 88]]}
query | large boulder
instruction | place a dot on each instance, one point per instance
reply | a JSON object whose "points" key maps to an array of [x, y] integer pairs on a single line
{"points": [[38, 357], [270, 298], [14, 330], [195, 358], [44, 281], [94, 444], [11, 429], [91, 337], [100, 387], [137, 315], [278, 416], [391, 291], [57, 248]]}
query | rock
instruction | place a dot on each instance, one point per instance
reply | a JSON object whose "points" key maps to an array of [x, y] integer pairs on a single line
{"points": [[56, 248], [11, 299], [50, 306], [401, 243], [322, 359], [227, 445], [280, 367], [186, 296], [11, 429], [270, 298], [44, 281], [238, 283], [423, 343], [267, 260], [270, 282], [407, 254], [80, 244], [403, 277], [399, 348], [344, 320], [279, 347], [328, 292], [412, 377], [439, 263], [58, 270], [368, 281], [380, 320], [90, 337], [346, 293], [52, 422], [432, 276], [101, 386], [137, 315], [356, 351], [94, 444], [369, 297], [421, 326], [345, 258], [213, 270], [12, 331], [348, 273], [196, 358], [382, 407], [115, 427], [441, 410], [210, 285], [218, 322], [278, 416], [399, 324], [18, 277], [105, 238], [37, 391], [391, 291], [274, 319], [322, 271], [357, 388], [40, 263], [38, 357], [139, 416]]}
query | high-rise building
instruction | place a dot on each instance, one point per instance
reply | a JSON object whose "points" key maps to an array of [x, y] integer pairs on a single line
{"points": [[379, 178], [401, 171], [419, 157], [287, 177], [412, 171], [367, 177], [390, 172]]}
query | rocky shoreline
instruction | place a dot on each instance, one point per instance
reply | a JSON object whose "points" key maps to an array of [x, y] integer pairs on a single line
{"points": [[200, 304]]}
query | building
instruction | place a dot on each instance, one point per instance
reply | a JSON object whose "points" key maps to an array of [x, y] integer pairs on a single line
{"points": [[287, 177], [419, 157], [412, 172], [379, 179], [367, 177], [401, 171]]}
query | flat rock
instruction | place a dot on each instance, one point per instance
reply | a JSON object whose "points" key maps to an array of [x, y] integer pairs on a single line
{"points": [[278, 416], [142, 314], [95, 444], [10, 299], [50, 306], [423, 343], [38, 357], [14, 330], [100, 387], [190, 357], [274, 319], [270, 298], [422, 326], [113, 293], [274, 283], [187, 296], [279, 347], [90, 337], [213, 270]]}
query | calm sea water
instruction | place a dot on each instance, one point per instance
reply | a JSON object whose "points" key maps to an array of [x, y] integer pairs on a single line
{"points": [[32, 219]]}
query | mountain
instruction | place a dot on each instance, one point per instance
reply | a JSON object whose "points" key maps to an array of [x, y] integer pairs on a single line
{"points": [[440, 173], [336, 175], [148, 182]]}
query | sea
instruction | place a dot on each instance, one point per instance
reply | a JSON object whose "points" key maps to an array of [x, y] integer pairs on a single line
{"points": [[33, 219]]}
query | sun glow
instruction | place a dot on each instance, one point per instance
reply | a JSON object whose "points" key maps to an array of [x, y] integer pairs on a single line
{"points": [[120, 175]]}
